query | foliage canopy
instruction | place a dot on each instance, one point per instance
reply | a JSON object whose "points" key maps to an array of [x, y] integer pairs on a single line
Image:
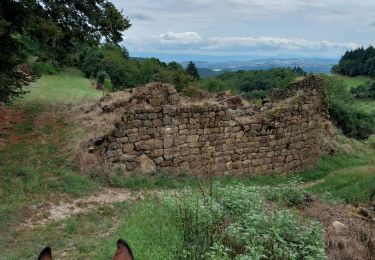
{"points": [[51, 31]]}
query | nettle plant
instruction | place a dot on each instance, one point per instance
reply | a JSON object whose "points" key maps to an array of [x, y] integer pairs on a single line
{"points": [[233, 222]]}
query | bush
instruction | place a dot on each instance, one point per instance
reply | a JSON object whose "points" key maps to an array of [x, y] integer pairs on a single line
{"points": [[191, 90], [247, 81], [232, 222], [102, 76], [45, 68], [364, 91], [214, 85], [289, 194], [371, 141], [257, 94], [353, 121], [108, 85]]}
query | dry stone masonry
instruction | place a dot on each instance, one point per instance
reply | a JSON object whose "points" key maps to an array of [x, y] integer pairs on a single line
{"points": [[162, 130]]}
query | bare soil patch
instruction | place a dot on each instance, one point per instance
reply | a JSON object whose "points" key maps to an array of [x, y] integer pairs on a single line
{"points": [[355, 239], [8, 119], [50, 211]]}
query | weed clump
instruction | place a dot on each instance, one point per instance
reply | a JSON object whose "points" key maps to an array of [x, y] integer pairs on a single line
{"points": [[235, 222]]}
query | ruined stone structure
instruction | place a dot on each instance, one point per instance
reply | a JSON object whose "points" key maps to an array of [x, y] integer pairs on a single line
{"points": [[162, 130]]}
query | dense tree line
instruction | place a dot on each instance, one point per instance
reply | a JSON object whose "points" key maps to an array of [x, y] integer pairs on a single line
{"points": [[255, 84], [53, 32], [126, 72], [357, 62], [246, 81]]}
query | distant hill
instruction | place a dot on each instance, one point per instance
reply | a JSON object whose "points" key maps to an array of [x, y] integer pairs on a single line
{"points": [[314, 65]]}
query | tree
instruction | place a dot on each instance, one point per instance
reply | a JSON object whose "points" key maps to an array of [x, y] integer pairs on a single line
{"points": [[192, 70], [51, 31], [357, 62]]}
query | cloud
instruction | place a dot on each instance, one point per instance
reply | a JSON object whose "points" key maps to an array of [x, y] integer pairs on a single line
{"points": [[311, 27], [139, 16], [180, 38], [274, 43], [193, 42]]}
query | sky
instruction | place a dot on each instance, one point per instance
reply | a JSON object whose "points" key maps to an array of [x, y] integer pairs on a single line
{"points": [[246, 29]]}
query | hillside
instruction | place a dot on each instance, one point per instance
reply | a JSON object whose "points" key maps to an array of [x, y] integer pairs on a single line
{"points": [[313, 65], [44, 192]]}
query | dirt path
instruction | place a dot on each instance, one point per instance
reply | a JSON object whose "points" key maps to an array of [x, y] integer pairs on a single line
{"points": [[8, 119], [65, 209]]}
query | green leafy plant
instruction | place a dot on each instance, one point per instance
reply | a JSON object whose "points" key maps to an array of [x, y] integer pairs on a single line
{"points": [[232, 222]]}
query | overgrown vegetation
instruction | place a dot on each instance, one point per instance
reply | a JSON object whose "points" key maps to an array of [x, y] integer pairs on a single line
{"points": [[38, 170], [49, 32], [125, 72], [233, 222], [255, 84], [366, 90], [354, 121]]}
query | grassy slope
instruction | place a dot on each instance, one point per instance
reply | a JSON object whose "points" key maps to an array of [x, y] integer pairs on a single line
{"points": [[352, 82], [69, 86], [37, 168]]}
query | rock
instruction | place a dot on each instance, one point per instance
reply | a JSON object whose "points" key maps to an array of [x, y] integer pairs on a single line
{"points": [[114, 146], [159, 160], [364, 212], [168, 141], [126, 158], [99, 141], [145, 164], [338, 226], [91, 149]]}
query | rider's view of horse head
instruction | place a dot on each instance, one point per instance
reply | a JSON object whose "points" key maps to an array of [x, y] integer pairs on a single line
{"points": [[123, 252]]}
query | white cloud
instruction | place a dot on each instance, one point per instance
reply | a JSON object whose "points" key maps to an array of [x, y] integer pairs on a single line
{"points": [[194, 43], [308, 27], [273, 42], [180, 38]]}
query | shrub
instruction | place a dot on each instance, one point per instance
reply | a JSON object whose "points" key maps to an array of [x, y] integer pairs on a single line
{"points": [[353, 121], [371, 141], [366, 90], [102, 76], [233, 223], [214, 85], [289, 194], [108, 85], [45, 68], [191, 90], [257, 94]]}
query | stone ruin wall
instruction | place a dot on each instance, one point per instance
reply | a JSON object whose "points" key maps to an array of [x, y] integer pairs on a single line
{"points": [[284, 135]]}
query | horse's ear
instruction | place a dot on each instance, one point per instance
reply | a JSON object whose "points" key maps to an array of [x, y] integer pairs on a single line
{"points": [[46, 254], [123, 251]]}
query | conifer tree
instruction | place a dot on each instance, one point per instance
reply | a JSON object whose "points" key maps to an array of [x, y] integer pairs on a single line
{"points": [[192, 70]]}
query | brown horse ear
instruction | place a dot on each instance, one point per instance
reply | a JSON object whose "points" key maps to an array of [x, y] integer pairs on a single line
{"points": [[123, 251], [46, 254]]}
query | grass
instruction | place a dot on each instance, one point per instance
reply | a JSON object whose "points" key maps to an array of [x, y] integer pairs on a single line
{"points": [[67, 87], [152, 230], [38, 168], [354, 185], [352, 82], [74, 238]]}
